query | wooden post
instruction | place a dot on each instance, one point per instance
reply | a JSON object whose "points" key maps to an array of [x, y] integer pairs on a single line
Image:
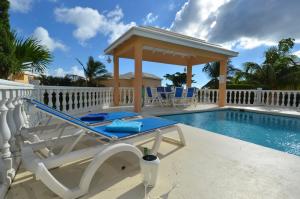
{"points": [[116, 81], [138, 58], [222, 83], [189, 75]]}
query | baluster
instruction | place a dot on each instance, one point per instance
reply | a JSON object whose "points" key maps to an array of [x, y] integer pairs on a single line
{"points": [[272, 98], [92, 98], [283, 99], [10, 117], [267, 98], [25, 118], [50, 98], [5, 134], [236, 100], [294, 100], [277, 98], [288, 99], [63, 101]]}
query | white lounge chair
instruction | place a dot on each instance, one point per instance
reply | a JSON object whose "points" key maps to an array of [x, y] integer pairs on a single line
{"points": [[114, 142], [36, 134]]}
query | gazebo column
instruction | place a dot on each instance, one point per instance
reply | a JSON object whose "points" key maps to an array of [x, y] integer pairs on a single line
{"points": [[189, 75], [116, 81], [222, 83], [138, 58]]}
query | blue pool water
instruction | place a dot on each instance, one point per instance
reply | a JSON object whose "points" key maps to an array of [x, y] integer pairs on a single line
{"points": [[277, 132]]}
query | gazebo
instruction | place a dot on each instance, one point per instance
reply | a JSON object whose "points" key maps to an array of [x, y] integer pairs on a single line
{"points": [[158, 45]]}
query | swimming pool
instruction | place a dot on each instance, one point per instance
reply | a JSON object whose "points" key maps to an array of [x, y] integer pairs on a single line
{"points": [[277, 132]]}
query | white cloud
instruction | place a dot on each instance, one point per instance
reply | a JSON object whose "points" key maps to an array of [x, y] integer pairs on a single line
{"points": [[238, 23], [43, 36], [297, 53], [248, 43], [75, 70], [89, 22], [150, 19], [21, 5], [171, 6], [102, 57]]}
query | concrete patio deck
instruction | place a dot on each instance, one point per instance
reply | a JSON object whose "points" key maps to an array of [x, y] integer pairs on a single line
{"points": [[210, 166]]}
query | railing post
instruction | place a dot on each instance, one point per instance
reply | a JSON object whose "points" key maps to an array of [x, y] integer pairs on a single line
{"points": [[258, 96], [5, 135], [10, 117]]}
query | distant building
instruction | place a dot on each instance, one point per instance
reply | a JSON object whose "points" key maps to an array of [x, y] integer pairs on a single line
{"points": [[127, 80], [26, 77]]}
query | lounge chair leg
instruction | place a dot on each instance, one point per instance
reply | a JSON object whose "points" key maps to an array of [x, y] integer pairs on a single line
{"points": [[157, 142], [69, 147], [180, 134]]}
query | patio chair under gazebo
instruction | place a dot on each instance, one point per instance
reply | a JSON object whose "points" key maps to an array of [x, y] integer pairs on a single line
{"points": [[158, 45]]}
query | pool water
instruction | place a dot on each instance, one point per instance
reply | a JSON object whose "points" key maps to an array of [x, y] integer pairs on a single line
{"points": [[277, 132]]}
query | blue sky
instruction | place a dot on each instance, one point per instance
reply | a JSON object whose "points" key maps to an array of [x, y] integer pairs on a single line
{"points": [[80, 28]]}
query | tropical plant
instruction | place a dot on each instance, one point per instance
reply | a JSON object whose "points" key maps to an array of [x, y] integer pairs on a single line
{"points": [[30, 54], [178, 79], [18, 54], [68, 80], [278, 71], [7, 56], [213, 71], [94, 71]]}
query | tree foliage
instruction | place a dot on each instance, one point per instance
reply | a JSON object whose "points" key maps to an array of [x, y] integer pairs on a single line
{"points": [[68, 80], [279, 70], [18, 54], [7, 56], [94, 71], [178, 79], [213, 71]]}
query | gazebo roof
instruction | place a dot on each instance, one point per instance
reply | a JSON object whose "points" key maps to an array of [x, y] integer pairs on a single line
{"points": [[164, 46]]}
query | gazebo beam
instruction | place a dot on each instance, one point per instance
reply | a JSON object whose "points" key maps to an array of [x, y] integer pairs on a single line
{"points": [[138, 80], [222, 83], [180, 49]]}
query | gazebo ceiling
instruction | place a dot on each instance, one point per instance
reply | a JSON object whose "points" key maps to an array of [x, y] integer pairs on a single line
{"points": [[167, 47]]}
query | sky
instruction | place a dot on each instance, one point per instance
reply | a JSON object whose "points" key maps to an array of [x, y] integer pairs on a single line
{"points": [[83, 28]]}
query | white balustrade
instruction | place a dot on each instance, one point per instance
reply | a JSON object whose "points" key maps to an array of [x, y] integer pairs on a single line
{"points": [[126, 95], [75, 99], [278, 98], [11, 121]]}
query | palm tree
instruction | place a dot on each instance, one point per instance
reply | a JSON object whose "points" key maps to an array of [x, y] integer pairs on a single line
{"points": [[279, 70], [27, 54], [94, 70], [30, 54], [213, 71]]}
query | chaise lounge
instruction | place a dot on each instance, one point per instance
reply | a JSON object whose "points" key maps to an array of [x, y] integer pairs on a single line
{"points": [[111, 144]]}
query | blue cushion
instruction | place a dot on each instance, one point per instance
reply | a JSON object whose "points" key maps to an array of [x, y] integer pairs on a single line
{"points": [[125, 126], [149, 124], [94, 117]]}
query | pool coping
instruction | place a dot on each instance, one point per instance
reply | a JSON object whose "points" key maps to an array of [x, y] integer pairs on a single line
{"points": [[234, 108]]}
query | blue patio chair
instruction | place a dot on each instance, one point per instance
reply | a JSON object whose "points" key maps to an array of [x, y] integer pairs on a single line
{"points": [[114, 142], [162, 95], [168, 89], [191, 95], [150, 97], [160, 89], [178, 96]]}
